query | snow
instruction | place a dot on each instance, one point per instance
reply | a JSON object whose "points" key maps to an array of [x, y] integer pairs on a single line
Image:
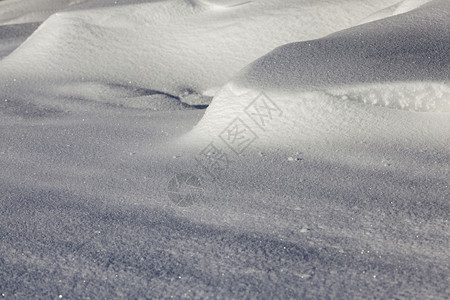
{"points": [[19, 11], [12, 36], [372, 64], [167, 46], [320, 168], [409, 5]]}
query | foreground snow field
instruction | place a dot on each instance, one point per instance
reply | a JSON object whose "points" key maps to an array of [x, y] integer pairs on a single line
{"points": [[320, 169]]}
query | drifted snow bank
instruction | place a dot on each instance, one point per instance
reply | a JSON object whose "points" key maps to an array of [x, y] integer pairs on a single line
{"points": [[86, 213], [174, 47], [398, 8], [408, 5], [373, 81], [19, 11]]}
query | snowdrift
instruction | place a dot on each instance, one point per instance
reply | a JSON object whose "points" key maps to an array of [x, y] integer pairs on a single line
{"points": [[177, 47], [11, 36], [380, 80], [19, 12], [350, 201]]}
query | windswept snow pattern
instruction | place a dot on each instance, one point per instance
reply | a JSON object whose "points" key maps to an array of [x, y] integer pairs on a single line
{"points": [[408, 5], [20, 12], [167, 46], [319, 170], [400, 62]]}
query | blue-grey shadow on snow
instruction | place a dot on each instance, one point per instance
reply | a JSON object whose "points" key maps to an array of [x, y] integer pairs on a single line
{"points": [[57, 243], [403, 48]]}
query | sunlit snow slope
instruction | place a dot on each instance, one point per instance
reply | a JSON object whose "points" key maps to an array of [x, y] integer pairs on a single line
{"points": [[19, 11], [386, 79], [323, 165], [176, 47]]}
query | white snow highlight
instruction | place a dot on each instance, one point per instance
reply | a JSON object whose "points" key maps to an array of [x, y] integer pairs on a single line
{"points": [[19, 12], [408, 5], [167, 46], [320, 170], [398, 63]]}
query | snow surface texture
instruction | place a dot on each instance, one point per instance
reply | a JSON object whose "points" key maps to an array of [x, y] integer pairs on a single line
{"points": [[12, 36], [398, 8], [400, 62], [409, 5], [337, 187], [167, 46], [19, 11]]}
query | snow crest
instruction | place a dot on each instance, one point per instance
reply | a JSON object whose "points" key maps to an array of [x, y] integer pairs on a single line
{"points": [[409, 5], [166, 46], [372, 78]]}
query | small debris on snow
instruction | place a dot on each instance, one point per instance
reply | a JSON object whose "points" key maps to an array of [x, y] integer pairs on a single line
{"points": [[290, 158]]}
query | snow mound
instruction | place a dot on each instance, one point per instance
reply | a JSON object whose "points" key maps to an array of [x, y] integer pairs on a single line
{"points": [[168, 46], [398, 8], [409, 5], [18, 11], [345, 84], [11, 36]]}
